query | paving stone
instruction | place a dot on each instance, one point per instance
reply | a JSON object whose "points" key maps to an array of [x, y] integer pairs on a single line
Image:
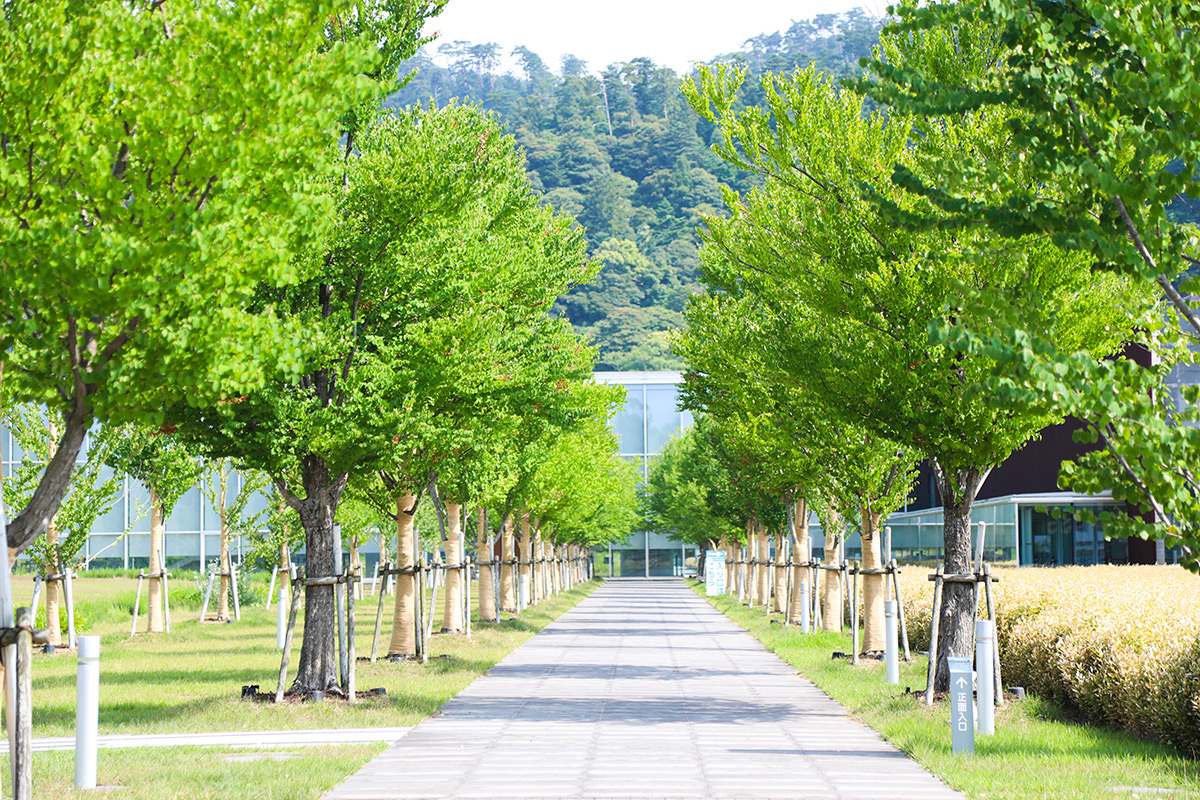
{"points": [[641, 691]]}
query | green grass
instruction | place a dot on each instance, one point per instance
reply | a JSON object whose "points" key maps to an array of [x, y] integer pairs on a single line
{"points": [[1036, 752], [190, 681], [201, 773]]}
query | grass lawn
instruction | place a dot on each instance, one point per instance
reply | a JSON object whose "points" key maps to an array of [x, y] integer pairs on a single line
{"points": [[1036, 753], [190, 681]]}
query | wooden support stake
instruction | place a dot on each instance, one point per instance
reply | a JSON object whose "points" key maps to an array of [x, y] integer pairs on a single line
{"points": [[378, 616], [987, 593], [900, 610], [37, 590], [297, 589], [166, 593], [137, 602], [854, 617], [69, 592], [352, 576], [23, 753], [933, 635], [237, 605], [212, 573]]}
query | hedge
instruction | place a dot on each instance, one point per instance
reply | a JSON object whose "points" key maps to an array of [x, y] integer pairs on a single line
{"points": [[1119, 645]]}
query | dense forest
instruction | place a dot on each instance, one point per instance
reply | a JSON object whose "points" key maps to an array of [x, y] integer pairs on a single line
{"points": [[620, 150]]}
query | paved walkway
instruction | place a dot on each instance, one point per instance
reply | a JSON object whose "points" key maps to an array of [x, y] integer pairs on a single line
{"points": [[643, 690], [230, 739]]}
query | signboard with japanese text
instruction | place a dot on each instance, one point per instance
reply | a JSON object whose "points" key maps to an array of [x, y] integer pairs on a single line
{"points": [[714, 573]]}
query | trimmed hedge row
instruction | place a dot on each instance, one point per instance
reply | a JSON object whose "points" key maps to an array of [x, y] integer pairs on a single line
{"points": [[1120, 645]]}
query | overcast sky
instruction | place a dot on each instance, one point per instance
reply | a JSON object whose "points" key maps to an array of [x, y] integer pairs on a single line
{"points": [[672, 32]]}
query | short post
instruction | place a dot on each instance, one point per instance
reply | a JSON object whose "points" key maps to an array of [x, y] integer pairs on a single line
{"points": [[890, 656], [986, 688], [962, 711], [87, 711], [805, 626]]}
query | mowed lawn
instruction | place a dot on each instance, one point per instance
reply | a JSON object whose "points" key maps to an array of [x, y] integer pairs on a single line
{"points": [[190, 680]]}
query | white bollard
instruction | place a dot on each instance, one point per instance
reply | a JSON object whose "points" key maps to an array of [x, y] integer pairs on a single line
{"points": [[891, 658], [985, 686], [280, 618], [805, 627], [87, 712]]}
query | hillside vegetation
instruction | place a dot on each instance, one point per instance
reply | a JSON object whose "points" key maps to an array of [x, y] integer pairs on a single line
{"points": [[619, 148]]}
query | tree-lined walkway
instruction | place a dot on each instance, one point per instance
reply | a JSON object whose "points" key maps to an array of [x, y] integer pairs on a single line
{"points": [[643, 690]]}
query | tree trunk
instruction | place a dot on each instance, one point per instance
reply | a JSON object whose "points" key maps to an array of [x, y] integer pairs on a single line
{"points": [[154, 606], [761, 569], [781, 586], [53, 567], [508, 579], [483, 552], [223, 568], [874, 586], [751, 575], [54, 483], [318, 667], [525, 549], [404, 614], [956, 625], [831, 591], [452, 616], [801, 547]]}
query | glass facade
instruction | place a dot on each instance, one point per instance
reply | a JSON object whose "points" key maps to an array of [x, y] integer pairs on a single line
{"points": [[120, 538], [643, 425], [1020, 531]]}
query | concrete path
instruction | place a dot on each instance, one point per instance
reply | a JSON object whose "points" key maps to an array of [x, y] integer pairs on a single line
{"points": [[643, 690], [231, 739]]}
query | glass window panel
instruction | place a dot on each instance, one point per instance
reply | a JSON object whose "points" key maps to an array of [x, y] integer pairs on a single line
{"points": [[139, 546], [114, 520], [182, 544], [629, 421], [662, 417], [102, 550], [212, 547], [185, 516]]}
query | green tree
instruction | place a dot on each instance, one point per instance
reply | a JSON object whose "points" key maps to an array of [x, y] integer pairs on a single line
{"points": [[93, 492], [859, 294], [1101, 101], [167, 469], [155, 168]]}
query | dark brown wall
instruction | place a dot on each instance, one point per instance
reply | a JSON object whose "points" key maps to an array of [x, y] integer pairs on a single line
{"points": [[1030, 470]]}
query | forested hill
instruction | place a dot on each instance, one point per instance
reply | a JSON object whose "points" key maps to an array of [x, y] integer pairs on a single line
{"points": [[619, 148]]}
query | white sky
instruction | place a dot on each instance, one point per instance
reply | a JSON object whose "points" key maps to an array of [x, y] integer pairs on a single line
{"points": [[672, 32]]}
